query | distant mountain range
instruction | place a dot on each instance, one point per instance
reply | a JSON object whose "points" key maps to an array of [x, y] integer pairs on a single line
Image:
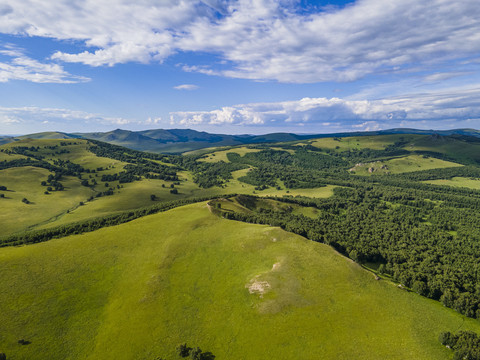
{"points": [[182, 140]]}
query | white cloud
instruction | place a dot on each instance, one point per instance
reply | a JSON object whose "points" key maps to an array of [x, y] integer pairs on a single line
{"points": [[21, 67], [259, 39], [8, 120], [34, 119], [153, 121], [186, 87], [431, 110]]}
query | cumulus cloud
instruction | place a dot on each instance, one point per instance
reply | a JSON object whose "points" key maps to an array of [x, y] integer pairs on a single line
{"points": [[433, 110], [21, 67], [186, 87], [258, 39]]}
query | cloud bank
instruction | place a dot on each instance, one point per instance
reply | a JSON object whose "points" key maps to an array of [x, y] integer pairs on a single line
{"points": [[259, 39], [425, 111], [440, 110], [14, 120]]}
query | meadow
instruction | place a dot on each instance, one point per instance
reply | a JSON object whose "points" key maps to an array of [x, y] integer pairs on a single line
{"points": [[401, 165], [375, 142], [457, 182], [137, 290]]}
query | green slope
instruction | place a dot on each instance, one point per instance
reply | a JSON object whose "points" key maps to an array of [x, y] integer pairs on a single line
{"points": [[136, 290], [63, 207]]}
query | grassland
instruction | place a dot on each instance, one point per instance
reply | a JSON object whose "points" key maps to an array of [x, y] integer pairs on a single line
{"points": [[377, 142], [25, 183], [457, 182], [54, 208], [402, 164], [222, 155], [137, 290], [77, 153], [459, 149]]}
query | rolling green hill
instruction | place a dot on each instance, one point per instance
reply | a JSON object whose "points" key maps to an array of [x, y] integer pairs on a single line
{"points": [[203, 175], [137, 290], [186, 140]]}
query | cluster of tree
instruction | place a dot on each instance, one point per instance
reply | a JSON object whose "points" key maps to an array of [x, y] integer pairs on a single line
{"points": [[69, 167], [124, 154], [134, 172], [122, 177], [53, 182], [140, 163], [64, 143], [27, 162], [445, 173], [465, 344], [97, 223], [207, 175], [152, 170], [195, 353], [28, 151]]}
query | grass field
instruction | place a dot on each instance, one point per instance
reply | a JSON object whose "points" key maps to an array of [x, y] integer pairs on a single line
{"points": [[403, 164], [461, 150], [377, 142], [136, 290], [458, 182], [25, 182], [77, 153], [222, 155], [10, 157]]}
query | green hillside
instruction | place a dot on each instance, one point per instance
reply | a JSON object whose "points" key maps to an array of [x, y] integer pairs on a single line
{"points": [[27, 164], [137, 290], [59, 178], [124, 282]]}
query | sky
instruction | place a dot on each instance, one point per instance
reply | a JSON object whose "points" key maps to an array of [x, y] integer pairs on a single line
{"points": [[238, 66]]}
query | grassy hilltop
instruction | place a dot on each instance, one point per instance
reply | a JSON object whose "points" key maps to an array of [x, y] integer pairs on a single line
{"points": [[240, 291]]}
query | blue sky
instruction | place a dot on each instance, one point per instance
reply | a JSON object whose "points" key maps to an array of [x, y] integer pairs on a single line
{"points": [[238, 66]]}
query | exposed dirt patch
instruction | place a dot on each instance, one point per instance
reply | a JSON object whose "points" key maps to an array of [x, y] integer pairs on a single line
{"points": [[258, 287]]}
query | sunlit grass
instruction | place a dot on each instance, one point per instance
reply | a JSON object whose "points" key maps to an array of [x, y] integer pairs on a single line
{"points": [[136, 290]]}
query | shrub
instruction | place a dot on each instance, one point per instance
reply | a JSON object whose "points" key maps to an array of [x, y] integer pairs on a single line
{"points": [[183, 350]]}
